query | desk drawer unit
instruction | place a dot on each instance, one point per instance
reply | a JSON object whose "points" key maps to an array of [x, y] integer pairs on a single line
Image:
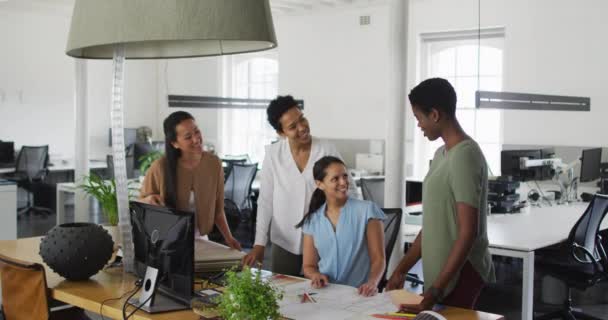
{"points": [[8, 210]]}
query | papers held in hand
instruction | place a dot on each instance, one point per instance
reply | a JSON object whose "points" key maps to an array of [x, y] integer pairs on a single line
{"points": [[211, 256]]}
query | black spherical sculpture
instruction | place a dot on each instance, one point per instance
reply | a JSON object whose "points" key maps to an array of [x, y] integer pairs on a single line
{"points": [[76, 251]]}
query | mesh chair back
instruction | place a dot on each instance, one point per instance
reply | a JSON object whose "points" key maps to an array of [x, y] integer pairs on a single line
{"points": [[238, 184], [392, 224], [373, 190], [24, 290], [230, 162], [32, 160], [585, 232]]}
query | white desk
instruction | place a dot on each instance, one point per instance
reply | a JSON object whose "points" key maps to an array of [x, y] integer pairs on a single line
{"points": [[519, 235], [8, 210], [66, 166]]}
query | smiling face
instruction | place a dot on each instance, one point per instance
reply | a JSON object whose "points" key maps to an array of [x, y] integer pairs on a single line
{"points": [[295, 127], [189, 137], [428, 123], [335, 183]]}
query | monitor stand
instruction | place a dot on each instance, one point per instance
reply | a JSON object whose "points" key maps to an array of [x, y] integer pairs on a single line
{"points": [[151, 300]]}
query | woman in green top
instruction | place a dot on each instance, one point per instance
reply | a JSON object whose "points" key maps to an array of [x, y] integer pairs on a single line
{"points": [[453, 242]]}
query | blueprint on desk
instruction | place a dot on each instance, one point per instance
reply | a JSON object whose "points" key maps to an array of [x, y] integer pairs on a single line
{"points": [[332, 302]]}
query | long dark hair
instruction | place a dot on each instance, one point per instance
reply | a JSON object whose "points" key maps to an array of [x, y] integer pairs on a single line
{"points": [[318, 196], [172, 154]]}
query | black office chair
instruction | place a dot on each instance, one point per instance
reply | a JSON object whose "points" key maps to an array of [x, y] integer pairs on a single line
{"points": [[392, 225], [373, 190], [31, 169], [581, 260], [233, 217], [230, 161], [238, 189]]}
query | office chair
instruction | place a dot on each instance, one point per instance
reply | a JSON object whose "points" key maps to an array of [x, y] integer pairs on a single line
{"points": [[230, 161], [238, 189], [233, 217], [392, 225], [373, 190], [25, 294], [581, 260], [31, 169]]}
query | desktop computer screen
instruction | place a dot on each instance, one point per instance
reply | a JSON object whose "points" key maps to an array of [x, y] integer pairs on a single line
{"points": [[130, 135], [7, 152], [163, 238], [510, 165], [590, 164]]}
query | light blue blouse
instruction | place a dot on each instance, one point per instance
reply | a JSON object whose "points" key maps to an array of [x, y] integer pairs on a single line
{"points": [[343, 255]]}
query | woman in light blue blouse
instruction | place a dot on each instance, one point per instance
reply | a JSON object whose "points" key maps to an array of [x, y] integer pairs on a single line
{"points": [[343, 237]]}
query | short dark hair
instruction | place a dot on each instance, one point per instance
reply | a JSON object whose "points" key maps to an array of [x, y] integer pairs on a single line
{"points": [[277, 108], [435, 93]]}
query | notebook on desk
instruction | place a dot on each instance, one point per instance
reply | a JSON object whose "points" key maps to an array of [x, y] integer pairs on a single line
{"points": [[211, 256]]}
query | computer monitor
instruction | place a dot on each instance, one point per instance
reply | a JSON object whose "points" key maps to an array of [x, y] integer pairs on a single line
{"points": [[590, 164], [7, 152], [163, 239], [413, 192], [130, 135], [510, 164]]}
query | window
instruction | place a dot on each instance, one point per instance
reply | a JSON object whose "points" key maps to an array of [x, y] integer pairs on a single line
{"points": [[246, 131], [453, 56]]}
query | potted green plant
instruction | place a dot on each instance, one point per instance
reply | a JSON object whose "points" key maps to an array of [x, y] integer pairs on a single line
{"points": [[248, 296], [146, 161], [105, 192]]}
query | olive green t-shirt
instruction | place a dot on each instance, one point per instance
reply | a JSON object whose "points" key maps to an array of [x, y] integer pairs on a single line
{"points": [[458, 175]]}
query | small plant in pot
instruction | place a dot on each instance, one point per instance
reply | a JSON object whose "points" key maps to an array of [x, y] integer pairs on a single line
{"points": [[105, 192], [248, 296]]}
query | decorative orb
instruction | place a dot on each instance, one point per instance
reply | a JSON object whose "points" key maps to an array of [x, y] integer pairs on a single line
{"points": [[76, 251]]}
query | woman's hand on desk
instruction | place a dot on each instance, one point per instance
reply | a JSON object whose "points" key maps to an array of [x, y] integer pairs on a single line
{"points": [[256, 255], [318, 280], [233, 243], [396, 281], [154, 199], [368, 289]]}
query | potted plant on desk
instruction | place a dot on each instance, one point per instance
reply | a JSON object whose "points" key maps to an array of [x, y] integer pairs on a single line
{"points": [[105, 192], [248, 296]]}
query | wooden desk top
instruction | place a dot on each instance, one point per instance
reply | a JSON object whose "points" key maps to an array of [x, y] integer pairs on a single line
{"points": [[112, 283]]}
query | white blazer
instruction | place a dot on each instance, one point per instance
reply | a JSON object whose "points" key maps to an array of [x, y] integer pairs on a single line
{"points": [[285, 193]]}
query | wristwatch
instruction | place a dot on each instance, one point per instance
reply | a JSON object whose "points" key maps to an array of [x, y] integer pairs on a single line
{"points": [[436, 293]]}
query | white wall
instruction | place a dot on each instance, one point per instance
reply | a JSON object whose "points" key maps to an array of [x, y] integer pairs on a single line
{"points": [[339, 68], [200, 77], [36, 81], [551, 47], [37, 85]]}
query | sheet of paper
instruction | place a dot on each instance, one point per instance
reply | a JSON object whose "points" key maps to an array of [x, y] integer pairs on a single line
{"points": [[332, 302]]}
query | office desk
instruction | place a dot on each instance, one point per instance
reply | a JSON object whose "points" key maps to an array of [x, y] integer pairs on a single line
{"points": [[519, 235], [8, 210], [113, 283], [65, 188], [67, 166]]}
